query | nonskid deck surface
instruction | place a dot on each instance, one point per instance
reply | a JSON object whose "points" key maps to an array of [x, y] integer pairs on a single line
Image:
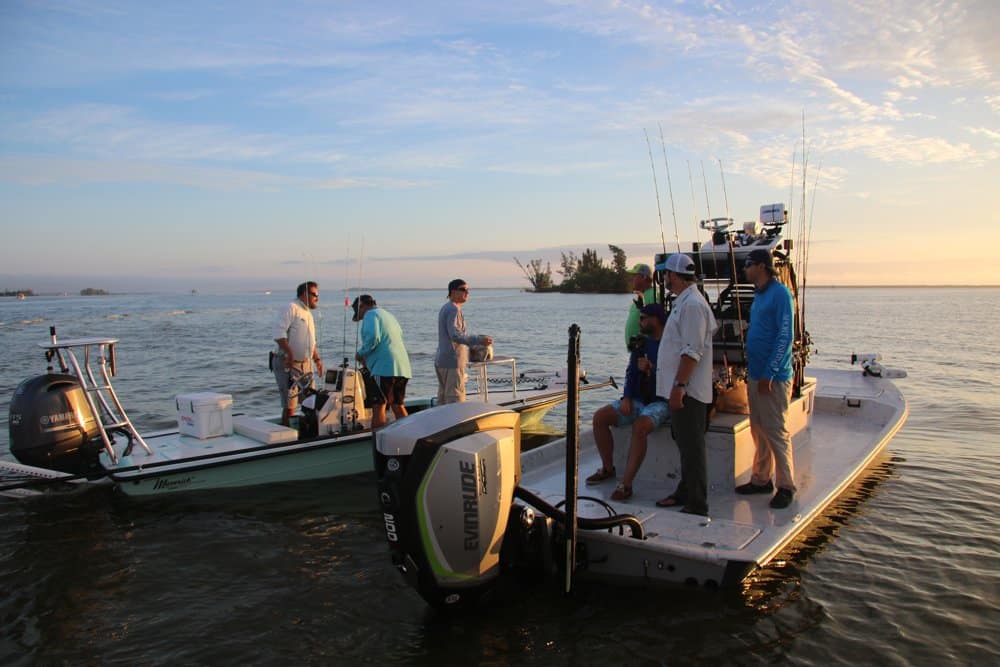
{"points": [[840, 442]]}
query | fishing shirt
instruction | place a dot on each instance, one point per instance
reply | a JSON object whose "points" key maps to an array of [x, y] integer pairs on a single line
{"points": [[769, 338], [688, 333], [382, 345], [453, 341], [296, 324], [632, 321]]}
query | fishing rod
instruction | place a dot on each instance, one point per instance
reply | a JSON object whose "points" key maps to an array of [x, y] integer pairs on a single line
{"points": [[805, 166], [656, 188], [733, 285], [670, 187], [807, 243], [347, 302]]}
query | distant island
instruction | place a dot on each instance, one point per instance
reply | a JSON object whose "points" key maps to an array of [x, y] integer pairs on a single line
{"points": [[93, 291], [586, 274], [19, 293]]}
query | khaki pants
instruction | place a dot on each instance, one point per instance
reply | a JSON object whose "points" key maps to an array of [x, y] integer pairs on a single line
{"points": [[451, 385], [768, 414]]}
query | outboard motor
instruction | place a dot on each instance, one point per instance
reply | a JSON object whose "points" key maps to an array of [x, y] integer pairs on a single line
{"points": [[52, 425], [446, 479]]}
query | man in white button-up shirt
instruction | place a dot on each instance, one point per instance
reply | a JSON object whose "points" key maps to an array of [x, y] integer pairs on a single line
{"points": [[297, 357], [684, 374]]}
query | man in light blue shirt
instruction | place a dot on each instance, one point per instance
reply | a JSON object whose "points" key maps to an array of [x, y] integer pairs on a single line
{"points": [[769, 386], [383, 352]]}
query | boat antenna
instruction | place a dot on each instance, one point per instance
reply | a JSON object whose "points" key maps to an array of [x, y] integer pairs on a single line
{"points": [[670, 187], [656, 189]]}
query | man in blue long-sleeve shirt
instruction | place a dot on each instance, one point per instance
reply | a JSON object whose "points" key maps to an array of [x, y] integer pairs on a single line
{"points": [[639, 405], [769, 385]]}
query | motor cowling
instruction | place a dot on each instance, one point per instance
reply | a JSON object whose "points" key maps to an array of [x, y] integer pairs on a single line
{"points": [[446, 479], [52, 426]]}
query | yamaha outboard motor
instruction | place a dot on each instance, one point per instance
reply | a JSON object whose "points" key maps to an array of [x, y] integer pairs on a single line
{"points": [[52, 425], [446, 486]]}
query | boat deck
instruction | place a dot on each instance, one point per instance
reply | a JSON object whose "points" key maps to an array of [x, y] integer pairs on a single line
{"points": [[840, 431]]}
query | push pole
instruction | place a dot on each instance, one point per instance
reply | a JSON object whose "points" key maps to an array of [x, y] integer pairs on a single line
{"points": [[572, 450]]}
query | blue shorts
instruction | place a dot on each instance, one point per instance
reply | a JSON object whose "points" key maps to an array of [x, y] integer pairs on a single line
{"points": [[658, 411]]}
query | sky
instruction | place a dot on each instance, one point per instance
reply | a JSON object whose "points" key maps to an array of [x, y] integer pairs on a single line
{"points": [[253, 145]]}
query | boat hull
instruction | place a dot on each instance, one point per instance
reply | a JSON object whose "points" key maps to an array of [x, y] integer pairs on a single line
{"points": [[248, 467], [840, 425]]}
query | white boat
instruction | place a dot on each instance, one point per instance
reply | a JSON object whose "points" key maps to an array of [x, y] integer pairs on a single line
{"points": [[494, 508], [69, 428]]}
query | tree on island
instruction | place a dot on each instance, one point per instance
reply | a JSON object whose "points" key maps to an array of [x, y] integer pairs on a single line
{"points": [[93, 291], [584, 274], [540, 279]]}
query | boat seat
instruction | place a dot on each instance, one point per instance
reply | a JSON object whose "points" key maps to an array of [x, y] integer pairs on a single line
{"points": [[264, 431]]}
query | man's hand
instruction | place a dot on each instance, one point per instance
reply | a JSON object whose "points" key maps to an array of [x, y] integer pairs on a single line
{"points": [[625, 407]]}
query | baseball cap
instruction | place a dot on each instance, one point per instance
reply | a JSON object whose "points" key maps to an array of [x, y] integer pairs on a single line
{"points": [[654, 310], [680, 263], [364, 299], [761, 256], [642, 270]]}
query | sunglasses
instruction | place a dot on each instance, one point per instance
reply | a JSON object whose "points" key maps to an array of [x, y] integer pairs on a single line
{"points": [[314, 295], [461, 289]]}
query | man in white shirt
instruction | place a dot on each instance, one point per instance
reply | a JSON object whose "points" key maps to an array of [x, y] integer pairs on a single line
{"points": [[684, 373], [295, 334]]}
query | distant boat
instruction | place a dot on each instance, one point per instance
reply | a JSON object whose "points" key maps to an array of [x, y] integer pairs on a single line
{"points": [[267, 292], [194, 292], [20, 296]]}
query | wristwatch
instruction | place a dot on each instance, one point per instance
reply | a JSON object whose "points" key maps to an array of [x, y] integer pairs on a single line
{"points": [[680, 384]]}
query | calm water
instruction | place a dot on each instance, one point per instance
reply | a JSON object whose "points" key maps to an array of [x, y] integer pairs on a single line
{"points": [[904, 569]]}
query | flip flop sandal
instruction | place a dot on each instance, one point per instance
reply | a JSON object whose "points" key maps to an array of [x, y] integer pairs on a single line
{"points": [[622, 492], [670, 501]]}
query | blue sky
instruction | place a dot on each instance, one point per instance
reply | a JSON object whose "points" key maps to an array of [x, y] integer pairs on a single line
{"points": [[250, 145]]}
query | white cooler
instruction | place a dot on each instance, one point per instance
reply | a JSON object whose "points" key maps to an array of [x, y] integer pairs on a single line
{"points": [[205, 414]]}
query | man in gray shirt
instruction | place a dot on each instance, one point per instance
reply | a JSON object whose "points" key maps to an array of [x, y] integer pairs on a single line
{"points": [[452, 356]]}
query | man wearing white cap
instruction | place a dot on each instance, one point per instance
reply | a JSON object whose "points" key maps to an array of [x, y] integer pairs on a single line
{"points": [[684, 374]]}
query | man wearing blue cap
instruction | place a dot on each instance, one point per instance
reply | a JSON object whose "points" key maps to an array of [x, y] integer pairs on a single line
{"points": [[639, 405]]}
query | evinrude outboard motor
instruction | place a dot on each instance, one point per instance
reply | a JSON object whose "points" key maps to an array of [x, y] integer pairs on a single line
{"points": [[446, 485], [52, 425]]}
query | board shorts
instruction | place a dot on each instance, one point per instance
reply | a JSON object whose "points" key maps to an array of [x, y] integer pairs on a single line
{"points": [[658, 411]]}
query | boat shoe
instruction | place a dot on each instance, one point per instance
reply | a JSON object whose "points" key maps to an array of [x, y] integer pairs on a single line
{"points": [[782, 499], [750, 487], [601, 475]]}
